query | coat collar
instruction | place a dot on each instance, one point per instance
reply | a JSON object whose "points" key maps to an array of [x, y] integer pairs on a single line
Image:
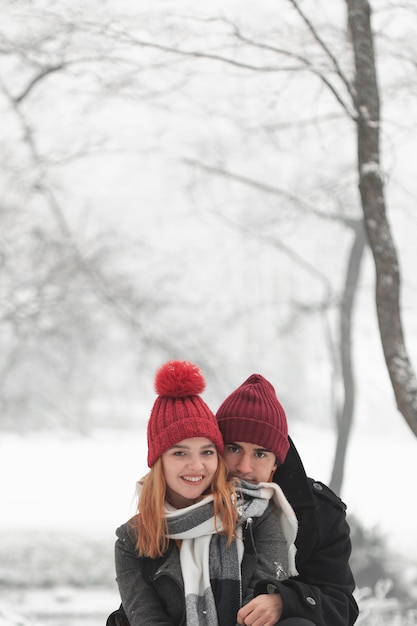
{"points": [[292, 479]]}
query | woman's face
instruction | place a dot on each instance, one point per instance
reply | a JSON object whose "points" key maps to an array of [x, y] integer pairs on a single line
{"points": [[189, 469]]}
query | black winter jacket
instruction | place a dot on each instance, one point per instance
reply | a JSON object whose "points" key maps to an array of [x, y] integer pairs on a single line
{"points": [[323, 590]]}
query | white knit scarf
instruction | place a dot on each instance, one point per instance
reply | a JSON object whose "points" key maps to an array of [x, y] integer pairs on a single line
{"points": [[204, 555]]}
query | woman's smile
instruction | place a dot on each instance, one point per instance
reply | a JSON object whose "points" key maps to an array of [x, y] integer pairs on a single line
{"points": [[193, 479]]}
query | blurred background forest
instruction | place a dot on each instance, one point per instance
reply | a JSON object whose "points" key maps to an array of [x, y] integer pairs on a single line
{"points": [[180, 180]]}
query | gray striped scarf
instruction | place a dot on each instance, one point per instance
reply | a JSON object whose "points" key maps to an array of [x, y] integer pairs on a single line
{"points": [[211, 569]]}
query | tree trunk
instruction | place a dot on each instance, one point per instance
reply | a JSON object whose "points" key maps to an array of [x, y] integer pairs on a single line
{"points": [[378, 231], [345, 416]]}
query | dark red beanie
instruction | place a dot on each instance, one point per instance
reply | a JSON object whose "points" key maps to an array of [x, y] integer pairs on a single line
{"points": [[179, 413], [253, 414]]}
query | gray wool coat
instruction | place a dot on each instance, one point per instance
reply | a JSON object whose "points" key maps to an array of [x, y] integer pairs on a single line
{"points": [[152, 590]]}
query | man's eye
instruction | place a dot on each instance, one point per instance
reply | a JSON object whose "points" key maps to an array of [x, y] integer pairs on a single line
{"points": [[232, 449], [260, 455]]}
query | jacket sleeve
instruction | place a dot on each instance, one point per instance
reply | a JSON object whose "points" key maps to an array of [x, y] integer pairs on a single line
{"points": [[140, 601], [265, 539], [323, 590]]}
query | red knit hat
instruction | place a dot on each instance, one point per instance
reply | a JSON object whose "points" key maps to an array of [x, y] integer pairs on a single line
{"points": [[179, 413], [253, 414]]}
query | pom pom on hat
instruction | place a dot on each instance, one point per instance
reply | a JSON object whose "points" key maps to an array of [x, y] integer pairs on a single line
{"points": [[178, 379], [179, 412]]}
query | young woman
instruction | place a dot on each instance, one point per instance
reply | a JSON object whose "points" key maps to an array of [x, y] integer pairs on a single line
{"points": [[201, 545]]}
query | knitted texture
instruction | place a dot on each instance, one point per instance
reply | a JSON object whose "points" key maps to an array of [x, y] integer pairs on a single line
{"points": [[179, 412], [253, 414]]}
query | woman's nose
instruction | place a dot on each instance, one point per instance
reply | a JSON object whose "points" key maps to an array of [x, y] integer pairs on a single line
{"points": [[195, 462]]}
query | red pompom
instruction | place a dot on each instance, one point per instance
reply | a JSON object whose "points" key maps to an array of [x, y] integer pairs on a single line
{"points": [[178, 379]]}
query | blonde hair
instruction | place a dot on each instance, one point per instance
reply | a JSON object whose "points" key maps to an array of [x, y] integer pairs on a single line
{"points": [[150, 522]]}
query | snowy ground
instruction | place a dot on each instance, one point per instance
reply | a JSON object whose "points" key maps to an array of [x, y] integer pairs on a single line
{"points": [[86, 485], [57, 607]]}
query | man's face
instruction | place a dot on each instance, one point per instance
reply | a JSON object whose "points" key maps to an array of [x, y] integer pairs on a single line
{"points": [[250, 462]]}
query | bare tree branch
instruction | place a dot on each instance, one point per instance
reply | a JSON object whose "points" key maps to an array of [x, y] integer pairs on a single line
{"points": [[196, 54], [350, 88], [36, 79], [272, 240], [270, 189], [306, 65]]}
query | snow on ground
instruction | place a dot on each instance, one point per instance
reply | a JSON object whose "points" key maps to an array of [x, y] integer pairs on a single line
{"points": [[58, 607], [87, 484]]}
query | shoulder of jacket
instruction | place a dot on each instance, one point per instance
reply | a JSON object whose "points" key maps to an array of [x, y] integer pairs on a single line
{"points": [[324, 493], [127, 531]]}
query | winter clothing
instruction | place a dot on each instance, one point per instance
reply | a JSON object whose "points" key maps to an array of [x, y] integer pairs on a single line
{"points": [[291, 621], [257, 495], [179, 413], [323, 590], [210, 568], [206, 557], [253, 413], [153, 590]]}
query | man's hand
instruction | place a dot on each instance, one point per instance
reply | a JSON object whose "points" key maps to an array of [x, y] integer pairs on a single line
{"points": [[264, 610]]}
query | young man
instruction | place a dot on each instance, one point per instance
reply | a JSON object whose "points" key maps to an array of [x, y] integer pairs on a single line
{"points": [[258, 449]]}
